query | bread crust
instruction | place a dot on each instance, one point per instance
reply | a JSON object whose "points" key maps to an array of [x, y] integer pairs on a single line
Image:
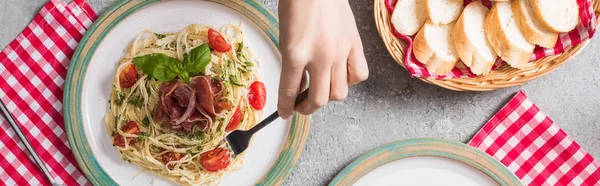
{"points": [[401, 17], [514, 55], [470, 55], [551, 24], [425, 53], [443, 20], [531, 27]]}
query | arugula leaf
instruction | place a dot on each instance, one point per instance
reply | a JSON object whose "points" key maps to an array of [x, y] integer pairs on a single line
{"points": [[197, 59]]}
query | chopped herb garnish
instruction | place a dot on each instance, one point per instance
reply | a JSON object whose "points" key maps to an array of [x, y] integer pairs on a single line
{"points": [[221, 119], [249, 64], [195, 135], [148, 88], [126, 159], [233, 80], [160, 36], [117, 118], [120, 98], [239, 50], [155, 148], [136, 101], [146, 121], [144, 135]]}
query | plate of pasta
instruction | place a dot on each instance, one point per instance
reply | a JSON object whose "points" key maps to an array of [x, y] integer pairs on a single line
{"points": [[155, 86]]}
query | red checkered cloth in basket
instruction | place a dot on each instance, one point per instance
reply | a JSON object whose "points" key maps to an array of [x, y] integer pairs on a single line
{"points": [[533, 147], [585, 30], [32, 72]]}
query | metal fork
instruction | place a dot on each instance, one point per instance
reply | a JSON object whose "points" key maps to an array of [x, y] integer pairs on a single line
{"points": [[36, 158], [238, 140]]}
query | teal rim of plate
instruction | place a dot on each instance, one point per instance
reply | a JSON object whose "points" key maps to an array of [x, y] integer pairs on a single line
{"points": [[76, 76], [396, 149]]}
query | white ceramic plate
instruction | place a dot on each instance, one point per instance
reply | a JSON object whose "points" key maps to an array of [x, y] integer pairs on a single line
{"points": [[426, 162], [87, 98], [426, 171]]}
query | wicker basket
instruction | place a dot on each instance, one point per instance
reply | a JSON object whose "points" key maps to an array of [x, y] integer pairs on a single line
{"points": [[502, 77]]}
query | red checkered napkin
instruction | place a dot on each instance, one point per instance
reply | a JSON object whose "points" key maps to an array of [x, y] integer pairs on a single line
{"points": [[533, 147], [585, 30], [32, 72]]}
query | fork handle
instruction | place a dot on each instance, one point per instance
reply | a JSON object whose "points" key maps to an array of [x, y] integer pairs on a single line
{"points": [[299, 99]]}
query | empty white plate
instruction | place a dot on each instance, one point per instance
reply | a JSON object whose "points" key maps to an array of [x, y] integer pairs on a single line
{"points": [[426, 162]]}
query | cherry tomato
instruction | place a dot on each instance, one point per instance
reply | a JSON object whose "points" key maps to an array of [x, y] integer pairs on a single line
{"points": [[234, 123], [215, 160], [128, 76], [257, 95], [131, 128], [171, 156], [120, 141], [217, 41]]}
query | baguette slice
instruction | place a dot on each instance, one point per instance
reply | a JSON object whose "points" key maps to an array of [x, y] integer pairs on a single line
{"points": [[409, 16], [531, 27], [505, 37], [444, 11], [471, 43], [433, 47], [557, 15]]}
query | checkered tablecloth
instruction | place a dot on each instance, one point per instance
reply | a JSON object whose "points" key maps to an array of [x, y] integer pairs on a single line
{"points": [[535, 148], [32, 72], [584, 31], [34, 65]]}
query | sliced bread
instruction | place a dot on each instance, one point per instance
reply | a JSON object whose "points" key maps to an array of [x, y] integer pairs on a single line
{"points": [[444, 11], [471, 43], [531, 27], [409, 16], [434, 47], [557, 15], [504, 36]]}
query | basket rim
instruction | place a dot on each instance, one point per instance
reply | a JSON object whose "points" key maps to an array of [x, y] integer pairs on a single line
{"points": [[509, 77]]}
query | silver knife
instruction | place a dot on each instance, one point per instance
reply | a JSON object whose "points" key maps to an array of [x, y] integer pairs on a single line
{"points": [[36, 158]]}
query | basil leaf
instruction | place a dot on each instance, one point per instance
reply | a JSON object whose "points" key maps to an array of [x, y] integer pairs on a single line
{"points": [[146, 62], [197, 59], [184, 76], [164, 72], [158, 66]]}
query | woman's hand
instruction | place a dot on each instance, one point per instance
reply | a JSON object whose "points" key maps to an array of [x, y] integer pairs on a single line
{"points": [[318, 36]]}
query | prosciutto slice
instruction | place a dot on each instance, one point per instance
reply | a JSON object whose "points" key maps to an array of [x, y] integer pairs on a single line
{"points": [[190, 106], [176, 102]]}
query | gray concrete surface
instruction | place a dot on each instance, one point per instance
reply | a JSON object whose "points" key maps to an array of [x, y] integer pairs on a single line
{"points": [[391, 106]]}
